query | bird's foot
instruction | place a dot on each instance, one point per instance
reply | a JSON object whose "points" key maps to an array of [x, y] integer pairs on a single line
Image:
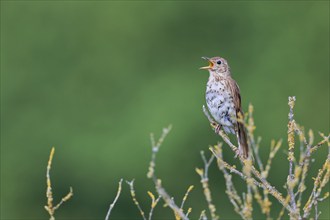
{"points": [[237, 153], [217, 129]]}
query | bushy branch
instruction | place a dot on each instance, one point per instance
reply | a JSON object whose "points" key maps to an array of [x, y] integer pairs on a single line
{"points": [[296, 176], [252, 171]]}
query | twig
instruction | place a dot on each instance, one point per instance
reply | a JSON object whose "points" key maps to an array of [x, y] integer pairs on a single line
{"points": [[155, 148], [266, 204], [254, 146], [131, 186], [232, 169], [320, 181], [188, 212], [325, 139], [151, 174], [291, 180], [49, 207], [115, 200], [186, 196], [169, 201], [273, 150], [154, 203], [202, 216], [231, 192], [250, 127], [203, 173], [304, 161], [316, 209]]}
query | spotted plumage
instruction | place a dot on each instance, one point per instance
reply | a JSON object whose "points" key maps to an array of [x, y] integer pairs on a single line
{"points": [[224, 101]]}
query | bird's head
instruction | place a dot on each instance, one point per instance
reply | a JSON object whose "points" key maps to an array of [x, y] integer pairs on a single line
{"points": [[217, 65]]}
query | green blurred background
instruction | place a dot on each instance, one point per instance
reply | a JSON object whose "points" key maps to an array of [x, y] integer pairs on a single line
{"points": [[94, 79]]}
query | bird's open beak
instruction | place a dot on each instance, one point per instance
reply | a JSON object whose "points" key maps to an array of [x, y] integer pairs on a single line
{"points": [[210, 66]]}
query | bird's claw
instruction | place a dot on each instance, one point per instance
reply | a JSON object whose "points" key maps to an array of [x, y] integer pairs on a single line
{"points": [[237, 153], [217, 129]]}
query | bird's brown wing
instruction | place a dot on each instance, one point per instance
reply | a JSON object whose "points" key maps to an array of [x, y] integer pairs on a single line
{"points": [[241, 134], [234, 89]]}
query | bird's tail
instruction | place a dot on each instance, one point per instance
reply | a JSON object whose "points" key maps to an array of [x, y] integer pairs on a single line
{"points": [[242, 141]]}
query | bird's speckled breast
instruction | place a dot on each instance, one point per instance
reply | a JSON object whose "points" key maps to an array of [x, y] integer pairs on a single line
{"points": [[220, 103]]}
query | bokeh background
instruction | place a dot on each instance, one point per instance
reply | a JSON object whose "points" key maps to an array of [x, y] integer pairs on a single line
{"points": [[94, 79]]}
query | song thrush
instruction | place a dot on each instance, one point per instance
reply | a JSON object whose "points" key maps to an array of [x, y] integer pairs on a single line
{"points": [[224, 101]]}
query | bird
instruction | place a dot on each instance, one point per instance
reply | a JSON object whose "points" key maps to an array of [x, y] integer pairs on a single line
{"points": [[223, 100]]}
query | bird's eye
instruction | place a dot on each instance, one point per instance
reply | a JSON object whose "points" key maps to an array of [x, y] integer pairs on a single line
{"points": [[219, 62]]}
